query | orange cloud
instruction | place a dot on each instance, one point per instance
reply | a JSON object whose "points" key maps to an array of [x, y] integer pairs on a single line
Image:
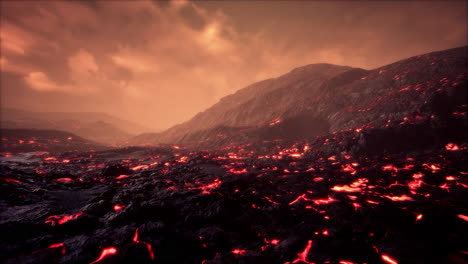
{"points": [[162, 62], [40, 81]]}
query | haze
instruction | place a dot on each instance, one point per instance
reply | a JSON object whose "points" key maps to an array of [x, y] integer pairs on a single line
{"points": [[160, 63]]}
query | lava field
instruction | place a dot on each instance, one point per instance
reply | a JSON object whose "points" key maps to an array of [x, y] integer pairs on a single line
{"points": [[173, 205], [345, 167]]}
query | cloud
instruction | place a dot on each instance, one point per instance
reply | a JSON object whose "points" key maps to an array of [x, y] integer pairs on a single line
{"points": [[14, 40], [134, 63], [83, 63], [40, 81], [161, 62], [7, 65]]}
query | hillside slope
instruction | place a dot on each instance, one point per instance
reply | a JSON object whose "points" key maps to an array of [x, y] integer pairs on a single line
{"points": [[257, 104], [427, 92]]}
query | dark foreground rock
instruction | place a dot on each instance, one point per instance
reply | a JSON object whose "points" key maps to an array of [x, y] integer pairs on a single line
{"points": [[142, 205]]}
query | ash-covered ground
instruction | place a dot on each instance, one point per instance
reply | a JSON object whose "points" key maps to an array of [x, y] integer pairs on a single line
{"points": [[291, 205]]}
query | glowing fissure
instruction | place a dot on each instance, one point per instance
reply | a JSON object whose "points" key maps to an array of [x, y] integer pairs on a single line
{"points": [[303, 255], [109, 251], [54, 219], [118, 207], [401, 198], [11, 180], [388, 259], [148, 245], [239, 252]]}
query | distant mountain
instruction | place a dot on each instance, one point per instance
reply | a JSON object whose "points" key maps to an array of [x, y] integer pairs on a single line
{"points": [[256, 105], [427, 92], [28, 140], [99, 127]]}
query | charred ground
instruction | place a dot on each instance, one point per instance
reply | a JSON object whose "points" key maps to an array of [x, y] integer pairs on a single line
{"points": [[175, 206], [377, 176]]}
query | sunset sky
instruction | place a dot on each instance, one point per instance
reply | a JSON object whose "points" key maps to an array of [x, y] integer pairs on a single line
{"points": [[161, 62]]}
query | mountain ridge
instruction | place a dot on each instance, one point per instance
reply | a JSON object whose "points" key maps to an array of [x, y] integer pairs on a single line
{"points": [[96, 126], [248, 96], [352, 98]]}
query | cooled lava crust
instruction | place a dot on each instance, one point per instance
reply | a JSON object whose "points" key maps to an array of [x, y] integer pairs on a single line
{"points": [[170, 205]]}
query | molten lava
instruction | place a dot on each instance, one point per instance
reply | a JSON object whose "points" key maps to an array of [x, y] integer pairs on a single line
{"points": [[388, 259], [303, 255], [239, 251], [148, 245], [53, 219], [452, 147], [118, 207], [59, 245], [105, 253]]}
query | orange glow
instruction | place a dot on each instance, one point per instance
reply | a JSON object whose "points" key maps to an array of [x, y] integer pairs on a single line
{"points": [[347, 168], [123, 176], [67, 218], [356, 206], [105, 253], [274, 241], [234, 171], [300, 197], [203, 83], [295, 155], [275, 122], [270, 200], [63, 180], [118, 207], [415, 184], [463, 217], [59, 245], [388, 259], [354, 187], [402, 198], [239, 251], [10, 180], [303, 255], [324, 201], [53, 219], [419, 217], [139, 167], [148, 245], [452, 147], [215, 184], [433, 167], [389, 167], [345, 188]]}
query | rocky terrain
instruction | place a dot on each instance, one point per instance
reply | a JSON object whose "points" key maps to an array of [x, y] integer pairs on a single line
{"points": [[319, 99], [326, 164], [171, 205]]}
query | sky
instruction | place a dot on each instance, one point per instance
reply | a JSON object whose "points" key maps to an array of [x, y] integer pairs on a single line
{"points": [[159, 63]]}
